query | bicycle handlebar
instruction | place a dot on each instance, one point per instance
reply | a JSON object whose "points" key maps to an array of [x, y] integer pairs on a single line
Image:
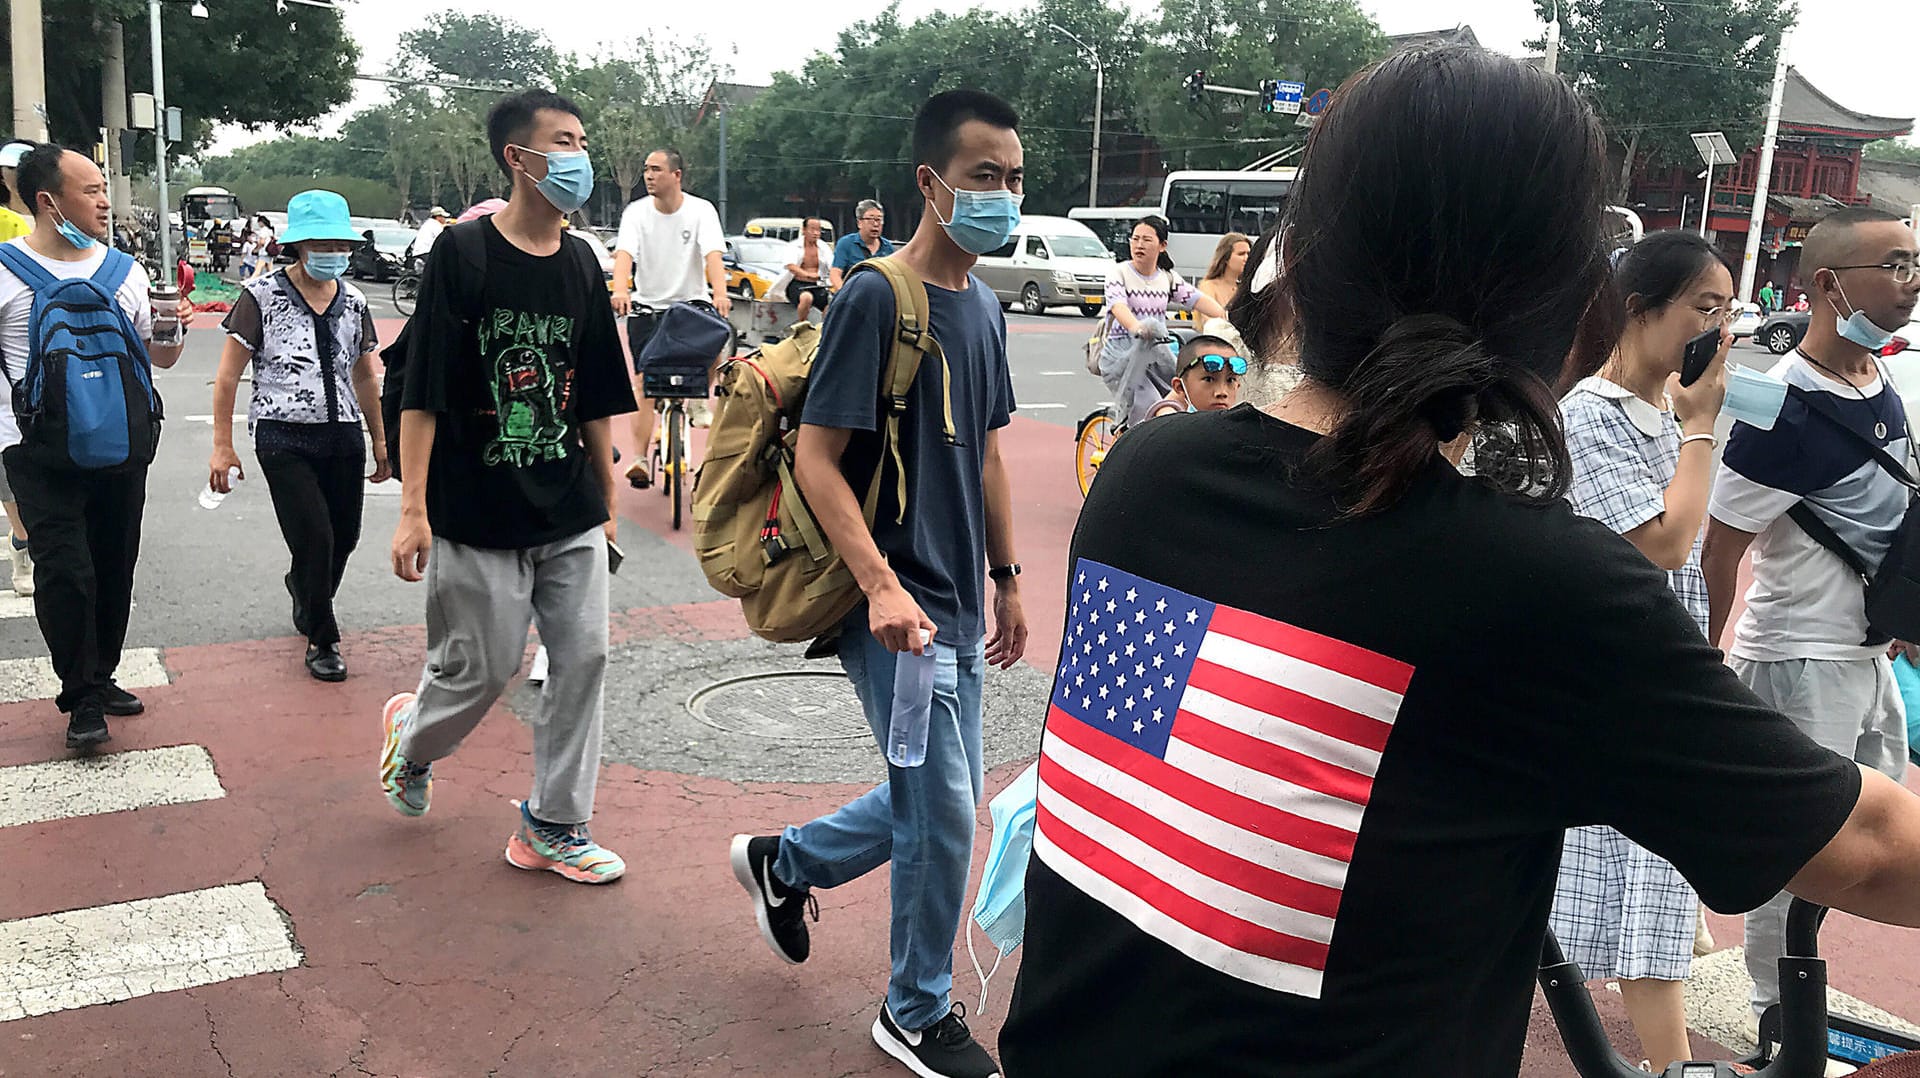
{"points": [[1803, 1010]]}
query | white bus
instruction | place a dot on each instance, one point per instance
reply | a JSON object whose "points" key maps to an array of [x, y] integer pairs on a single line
{"points": [[1113, 224], [1200, 207]]}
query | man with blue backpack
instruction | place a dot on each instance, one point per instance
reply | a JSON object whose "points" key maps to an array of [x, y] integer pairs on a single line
{"points": [[75, 344]]}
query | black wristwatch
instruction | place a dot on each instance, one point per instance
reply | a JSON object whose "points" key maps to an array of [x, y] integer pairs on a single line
{"points": [[1000, 574]]}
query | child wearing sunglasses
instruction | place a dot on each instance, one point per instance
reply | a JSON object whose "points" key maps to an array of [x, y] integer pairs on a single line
{"points": [[1207, 378]]}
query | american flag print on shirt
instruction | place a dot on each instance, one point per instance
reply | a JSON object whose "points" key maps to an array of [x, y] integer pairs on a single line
{"points": [[1205, 772]]}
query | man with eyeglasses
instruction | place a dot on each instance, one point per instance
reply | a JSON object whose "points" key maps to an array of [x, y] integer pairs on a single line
{"points": [[856, 247], [1803, 643]]}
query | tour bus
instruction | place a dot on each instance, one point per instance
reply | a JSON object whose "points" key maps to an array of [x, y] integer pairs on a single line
{"points": [[1201, 206]]}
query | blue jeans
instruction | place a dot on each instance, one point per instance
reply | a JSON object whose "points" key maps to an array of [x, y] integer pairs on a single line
{"points": [[921, 819]]}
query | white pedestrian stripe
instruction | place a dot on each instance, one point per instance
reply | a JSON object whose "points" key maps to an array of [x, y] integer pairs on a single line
{"points": [[33, 679], [111, 953], [1058, 374], [15, 606], [91, 785], [1025, 407], [1716, 998]]}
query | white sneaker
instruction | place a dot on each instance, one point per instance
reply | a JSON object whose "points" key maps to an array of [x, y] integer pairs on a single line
{"points": [[538, 675], [22, 571]]}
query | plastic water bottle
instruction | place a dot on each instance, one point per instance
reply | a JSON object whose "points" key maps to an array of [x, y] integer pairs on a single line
{"points": [[912, 705], [211, 498], [167, 329]]}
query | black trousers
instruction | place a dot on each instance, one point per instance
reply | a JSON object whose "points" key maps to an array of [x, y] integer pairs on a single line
{"points": [[318, 501], [83, 530]]}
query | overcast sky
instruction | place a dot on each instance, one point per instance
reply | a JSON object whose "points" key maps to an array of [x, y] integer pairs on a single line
{"points": [[1862, 53]]}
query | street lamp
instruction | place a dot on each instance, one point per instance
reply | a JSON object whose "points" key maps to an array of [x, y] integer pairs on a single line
{"points": [[1099, 91], [160, 143]]}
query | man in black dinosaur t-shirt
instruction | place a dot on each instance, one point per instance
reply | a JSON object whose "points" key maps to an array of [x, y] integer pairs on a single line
{"points": [[507, 459], [1303, 821]]}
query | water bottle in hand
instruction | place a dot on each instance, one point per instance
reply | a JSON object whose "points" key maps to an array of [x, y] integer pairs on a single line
{"points": [[211, 498], [912, 705]]}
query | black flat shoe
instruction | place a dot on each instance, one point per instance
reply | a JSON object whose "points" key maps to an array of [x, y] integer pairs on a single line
{"points": [[325, 663], [119, 701], [87, 727], [299, 609]]}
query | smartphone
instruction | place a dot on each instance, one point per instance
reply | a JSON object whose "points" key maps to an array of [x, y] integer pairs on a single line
{"points": [[614, 557], [1700, 352]]}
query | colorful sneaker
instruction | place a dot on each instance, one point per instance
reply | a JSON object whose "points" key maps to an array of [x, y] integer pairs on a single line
{"points": [[408, 786], [566, 849]]}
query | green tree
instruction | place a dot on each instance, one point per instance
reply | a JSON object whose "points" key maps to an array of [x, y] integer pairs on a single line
{"points": [[1658, 70], [477, 48], [1888, 149], [639, 98]]}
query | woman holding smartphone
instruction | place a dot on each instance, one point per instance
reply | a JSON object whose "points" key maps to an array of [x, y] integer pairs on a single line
{"points": [[1642, 447]]}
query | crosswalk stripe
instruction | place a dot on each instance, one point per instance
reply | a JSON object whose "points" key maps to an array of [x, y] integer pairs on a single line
{"points": [[106, 954], [1717, 990], [15, 606], [91, 785], [33, 678]]}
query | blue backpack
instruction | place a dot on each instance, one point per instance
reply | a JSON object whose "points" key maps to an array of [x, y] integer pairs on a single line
{"points": [[87, 399]]}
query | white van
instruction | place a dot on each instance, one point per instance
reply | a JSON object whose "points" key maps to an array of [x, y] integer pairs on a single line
{"points": [[1050, 262]]}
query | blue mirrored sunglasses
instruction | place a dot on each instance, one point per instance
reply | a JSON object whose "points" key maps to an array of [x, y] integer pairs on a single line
{"points": [[1213, 364]]}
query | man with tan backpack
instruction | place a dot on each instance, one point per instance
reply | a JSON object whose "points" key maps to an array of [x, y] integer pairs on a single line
{"points": [[884, 511]]}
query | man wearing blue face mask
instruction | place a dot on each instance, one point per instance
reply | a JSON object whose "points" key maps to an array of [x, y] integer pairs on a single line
{"points": [[513, 372], [83, 518], [1804, 644], [923, 572]]}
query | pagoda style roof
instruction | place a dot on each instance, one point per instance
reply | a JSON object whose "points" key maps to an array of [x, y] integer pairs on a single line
{"points": [[1458, 35], [1805, 110]]}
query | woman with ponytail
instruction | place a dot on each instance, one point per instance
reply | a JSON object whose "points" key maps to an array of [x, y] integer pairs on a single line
{"points": [[1326, 706]]}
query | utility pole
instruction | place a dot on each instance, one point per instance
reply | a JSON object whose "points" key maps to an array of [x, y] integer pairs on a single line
{"points": [[29, 71], [113, 111], [721, 113], [160, 144], [1750, 263], [1099, 94], [1553, 42]]}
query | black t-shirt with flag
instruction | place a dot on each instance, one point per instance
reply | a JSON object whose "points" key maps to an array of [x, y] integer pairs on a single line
{"points": [[511, 383], [1304, 777]]}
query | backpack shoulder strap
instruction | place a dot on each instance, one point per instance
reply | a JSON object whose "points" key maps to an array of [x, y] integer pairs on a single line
{"points": [[470, 244], [113, 271], [1818, 530], [912, 340], [24, 267]]}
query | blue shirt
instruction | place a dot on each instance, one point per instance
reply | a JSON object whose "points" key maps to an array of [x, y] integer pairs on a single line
{"points": [[940, 551], [849, 252]]}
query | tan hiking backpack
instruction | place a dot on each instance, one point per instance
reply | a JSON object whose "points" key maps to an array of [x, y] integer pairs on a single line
{"points": [[755, 537]]}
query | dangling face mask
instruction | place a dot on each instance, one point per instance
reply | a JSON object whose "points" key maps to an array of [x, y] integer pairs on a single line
{"points": [[71, 232], [569, 180], [1857, 327], [982, 220]]}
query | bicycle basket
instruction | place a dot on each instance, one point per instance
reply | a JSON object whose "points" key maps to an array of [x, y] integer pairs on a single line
{"points": [[664, 380]]}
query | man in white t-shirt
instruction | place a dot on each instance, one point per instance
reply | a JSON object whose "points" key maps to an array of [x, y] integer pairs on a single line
{"points": [[1804, 644], [437, 221], [669, 251], [83, 524]]}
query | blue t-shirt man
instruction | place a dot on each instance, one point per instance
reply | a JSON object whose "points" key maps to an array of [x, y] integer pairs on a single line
{"points": [[939, 552], [849, 251]]}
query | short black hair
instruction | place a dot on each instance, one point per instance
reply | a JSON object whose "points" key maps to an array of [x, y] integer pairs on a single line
{"points": [[1826, 243], [936, 126], [675, 159], [39, 171], [511, 120]]}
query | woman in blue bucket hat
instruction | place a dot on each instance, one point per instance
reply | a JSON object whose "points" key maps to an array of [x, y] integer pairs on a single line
{"points": [[310, 340]]}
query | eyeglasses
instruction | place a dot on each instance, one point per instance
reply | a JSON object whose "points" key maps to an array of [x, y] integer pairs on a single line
{"points": [[1903, 272], [873, 219], [1214, 364], [1718, 316]]}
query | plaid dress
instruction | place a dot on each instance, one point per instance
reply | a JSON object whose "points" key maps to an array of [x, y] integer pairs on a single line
{"points": [[1619, 910]]}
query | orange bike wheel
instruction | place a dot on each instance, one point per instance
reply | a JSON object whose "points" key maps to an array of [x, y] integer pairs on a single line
{"points": [[1097, 432]]}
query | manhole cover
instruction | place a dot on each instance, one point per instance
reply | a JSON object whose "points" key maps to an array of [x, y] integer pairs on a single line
{"points": [[786, 705]]}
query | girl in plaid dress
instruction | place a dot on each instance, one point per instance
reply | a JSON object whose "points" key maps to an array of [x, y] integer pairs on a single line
{"points": [[1642, 449]]}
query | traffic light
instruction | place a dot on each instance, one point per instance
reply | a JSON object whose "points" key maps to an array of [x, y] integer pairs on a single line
{"points": [[1196, 84], [1269, 94]]}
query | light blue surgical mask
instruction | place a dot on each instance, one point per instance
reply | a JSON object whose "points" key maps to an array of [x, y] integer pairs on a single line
{"points": [[1858, 328], [327, 265], [71, 232], [569, 180], [1753, 397], [982, 220], [1000, 909]]}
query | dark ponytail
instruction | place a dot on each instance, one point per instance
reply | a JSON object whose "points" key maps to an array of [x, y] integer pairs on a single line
{"points": [[1442, 272]]}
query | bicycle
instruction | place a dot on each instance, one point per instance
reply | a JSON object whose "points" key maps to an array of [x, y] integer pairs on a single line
{"points": [[1096, 432], [670, 382], [669, 450], [1799, 1024], [406, 288]]}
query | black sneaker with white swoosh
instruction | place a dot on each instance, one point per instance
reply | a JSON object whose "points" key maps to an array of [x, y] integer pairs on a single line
{"points": [[945, 1049], [781, 911]]}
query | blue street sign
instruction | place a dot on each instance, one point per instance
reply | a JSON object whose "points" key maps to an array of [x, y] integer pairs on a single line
{"points": [[1287, 95], [1317, 104]]}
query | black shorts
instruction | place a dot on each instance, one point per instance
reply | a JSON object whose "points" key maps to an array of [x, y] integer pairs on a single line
{"points": [[797, 286], [640, 330]]}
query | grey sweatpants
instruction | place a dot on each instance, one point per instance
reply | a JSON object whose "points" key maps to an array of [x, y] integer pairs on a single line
{"points": [[479, 605], [1852, 707]]}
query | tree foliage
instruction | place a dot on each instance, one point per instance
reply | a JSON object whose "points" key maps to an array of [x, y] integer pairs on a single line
{"points": [[1888, 149], [478, 48], [1658, 70]]}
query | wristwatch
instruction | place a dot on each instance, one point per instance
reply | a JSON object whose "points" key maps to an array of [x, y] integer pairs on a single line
{"points": [[1000, 574]]}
